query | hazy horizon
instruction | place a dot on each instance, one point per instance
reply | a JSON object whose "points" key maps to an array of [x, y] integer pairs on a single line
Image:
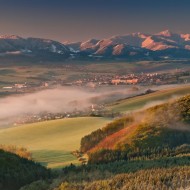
{"points": [[72, 20]]}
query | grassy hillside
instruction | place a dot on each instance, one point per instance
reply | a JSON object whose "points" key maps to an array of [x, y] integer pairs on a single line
{"points": [[51, 142], [159, 131], [140, 102]]}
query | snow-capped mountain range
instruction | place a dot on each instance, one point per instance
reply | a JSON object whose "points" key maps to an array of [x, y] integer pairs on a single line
{"points": [[163, 45], [16, 45]]}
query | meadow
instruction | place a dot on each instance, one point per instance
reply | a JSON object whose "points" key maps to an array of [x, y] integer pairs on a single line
{"points": [[52, 142], [140, 102]]}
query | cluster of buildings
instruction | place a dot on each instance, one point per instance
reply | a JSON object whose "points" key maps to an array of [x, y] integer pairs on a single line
{"points": [[132, 79], [93, 110], [138, 79], [124, 81], [45, 116], [25, 87], [16, 86], [93, 80]]}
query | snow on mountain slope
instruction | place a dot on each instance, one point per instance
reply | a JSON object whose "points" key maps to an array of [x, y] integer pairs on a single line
{"points": [[141, 45]]}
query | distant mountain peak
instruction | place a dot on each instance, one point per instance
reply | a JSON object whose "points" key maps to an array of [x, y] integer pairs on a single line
{"points": [[139, 34], [93, 40], [186, 37], [166, 33], [88, 44], [13, 37]]}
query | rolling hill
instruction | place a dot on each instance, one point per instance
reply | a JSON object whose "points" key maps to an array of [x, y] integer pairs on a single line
{"points": [[158, 131], [140, 102], [52, 142]]}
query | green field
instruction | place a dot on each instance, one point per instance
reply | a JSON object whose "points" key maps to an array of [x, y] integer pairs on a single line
{"points": [[51, 142], [140, 102]]}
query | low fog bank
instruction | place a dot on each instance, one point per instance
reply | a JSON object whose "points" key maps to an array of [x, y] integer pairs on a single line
{"points": [[52, 100], [64, 99], [59, 100]]}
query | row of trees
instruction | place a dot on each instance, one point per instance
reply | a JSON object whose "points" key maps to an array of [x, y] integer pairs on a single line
{"points": [[89, 141]]}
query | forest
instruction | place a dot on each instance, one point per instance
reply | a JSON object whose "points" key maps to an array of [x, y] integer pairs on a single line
{"points": [[16, 172], [166, 173]]}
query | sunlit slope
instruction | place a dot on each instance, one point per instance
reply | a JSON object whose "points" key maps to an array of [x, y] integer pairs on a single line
{"points": [[156, 132], [139, 102], [51, 142]]}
